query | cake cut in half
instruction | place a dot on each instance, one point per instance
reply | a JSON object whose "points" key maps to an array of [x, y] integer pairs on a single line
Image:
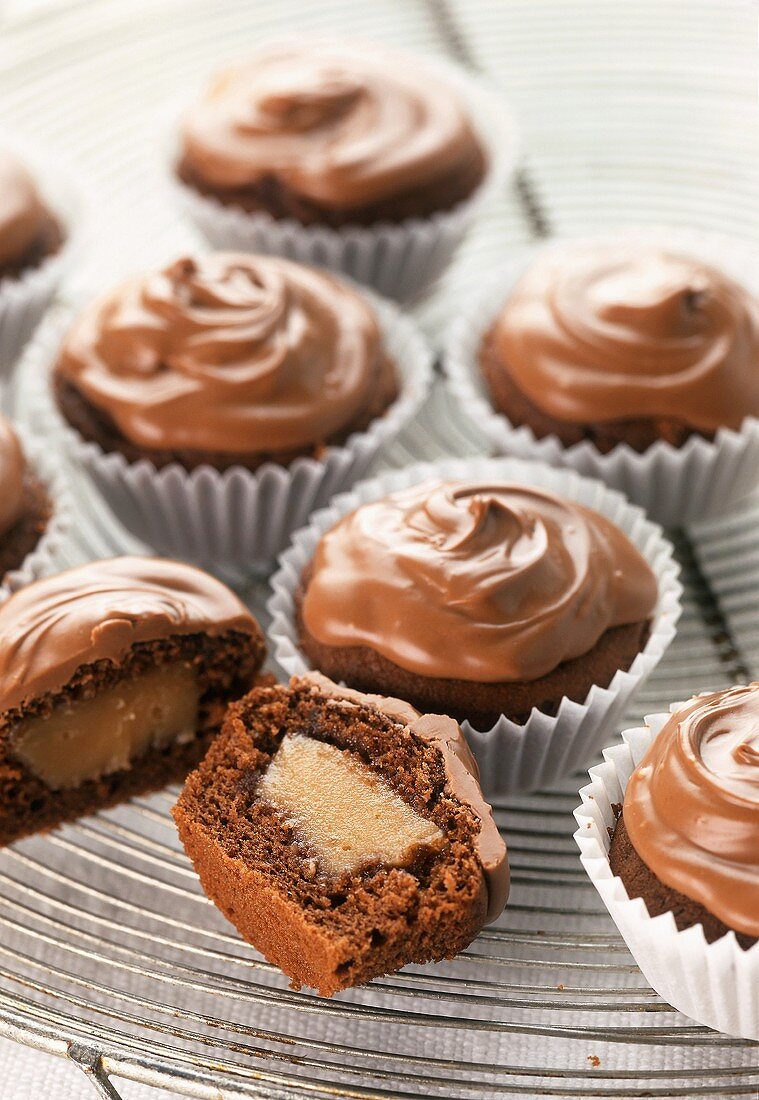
{"points": [[114, 676], [344, 835]]}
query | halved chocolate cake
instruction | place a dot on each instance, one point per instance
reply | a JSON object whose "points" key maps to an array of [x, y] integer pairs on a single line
{"points": [[114, 676], [344, 835]]}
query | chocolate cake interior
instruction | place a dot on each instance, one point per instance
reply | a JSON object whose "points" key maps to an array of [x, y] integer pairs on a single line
{"points": [[327, 833], [117, 728]]}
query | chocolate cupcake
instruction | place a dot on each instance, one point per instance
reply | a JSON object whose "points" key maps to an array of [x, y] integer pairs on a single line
{"points": [[218, 402], [475, 599], [624, 344], [114, 676], [630, 358], [25, 505], [344, 835], [687, 839], [361, 159], [227, 360], [334, 135], [29, 230], [668, 831]]}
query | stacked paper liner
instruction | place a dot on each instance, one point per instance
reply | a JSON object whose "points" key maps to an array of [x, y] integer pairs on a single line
{"points": [[511, 757], [675, 485], [716, 983]]}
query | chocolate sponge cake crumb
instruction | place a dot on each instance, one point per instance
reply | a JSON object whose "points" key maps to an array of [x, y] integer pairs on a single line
{"points": [[225, 667], [331, 930]]}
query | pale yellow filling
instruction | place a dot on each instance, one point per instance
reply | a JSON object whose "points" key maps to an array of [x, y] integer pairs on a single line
{"points": [[89, 738], [342, 810]]}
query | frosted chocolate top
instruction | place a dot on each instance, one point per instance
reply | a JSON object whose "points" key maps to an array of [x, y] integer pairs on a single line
{"points": [[230, 353], [692, 805], [475, 581], [600, 333], [342, 125], [98, 611]]}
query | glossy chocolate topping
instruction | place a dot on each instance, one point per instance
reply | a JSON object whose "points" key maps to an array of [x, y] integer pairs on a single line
{"points": [[229, 353], [692, 805], [98, 611], [475, 581], [602, 333], [12, 472], [460, 768], [343, 126], [23, 215]]}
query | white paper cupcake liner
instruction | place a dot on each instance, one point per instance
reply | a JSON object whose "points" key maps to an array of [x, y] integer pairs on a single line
{"points": [[398, 259], [676, 485], [511, 757], [235, 522], [43, 560], [24, 300], [717, 983]]}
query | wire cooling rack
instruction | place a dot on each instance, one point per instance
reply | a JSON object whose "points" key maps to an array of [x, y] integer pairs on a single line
{"points": [[109, 953]]}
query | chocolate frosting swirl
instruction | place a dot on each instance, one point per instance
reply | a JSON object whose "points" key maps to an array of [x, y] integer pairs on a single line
{"points": [[343, 126], [692, 805], [475, 581], [98, 611], [23, 214], [229, 353], [603, 333], [461, 770], [12, 473]]}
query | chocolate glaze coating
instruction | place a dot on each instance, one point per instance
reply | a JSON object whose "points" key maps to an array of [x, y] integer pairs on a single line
{"points": [[99, 611], [638, 433], [641, 882], [624, 343], [230, 359], [331, 133], [480, 704], [483, 582]]}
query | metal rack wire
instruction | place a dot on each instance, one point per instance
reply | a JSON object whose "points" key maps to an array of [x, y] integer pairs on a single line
{"points": [[109, 953]]}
